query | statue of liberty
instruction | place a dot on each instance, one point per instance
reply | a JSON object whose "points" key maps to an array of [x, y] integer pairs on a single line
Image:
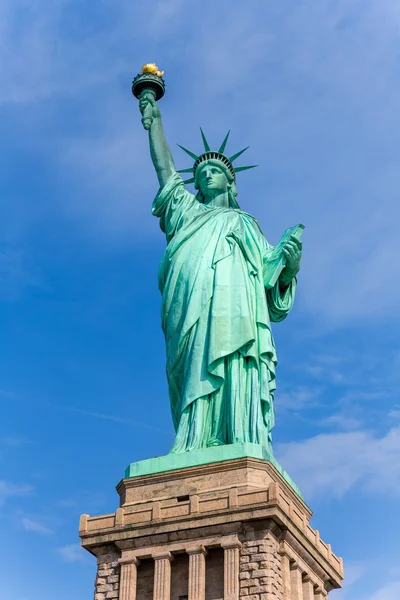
{"points": [[222, 285]]}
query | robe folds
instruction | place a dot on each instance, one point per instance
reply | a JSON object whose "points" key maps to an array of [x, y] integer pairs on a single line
{"points": [[216, 315]]}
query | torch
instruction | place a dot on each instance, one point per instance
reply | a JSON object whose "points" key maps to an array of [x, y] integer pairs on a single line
{"points": [[149, 81]]}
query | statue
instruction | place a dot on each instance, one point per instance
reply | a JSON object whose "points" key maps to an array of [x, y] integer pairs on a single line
{"points": [[222, 285]]}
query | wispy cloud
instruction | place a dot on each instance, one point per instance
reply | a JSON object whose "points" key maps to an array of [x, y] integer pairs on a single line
{"points": [[17, 273], [337, 462], [113, 418], [41, 58], [341, 421], [389, 591], [354, 571], [34, 526], [72, 553], [67, 503], [394, 414], [299, 398], [14, 441], [90, 413], [9, 490]]}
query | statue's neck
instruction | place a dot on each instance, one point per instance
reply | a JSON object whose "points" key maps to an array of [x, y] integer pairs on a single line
{"points": [[220, 200]]}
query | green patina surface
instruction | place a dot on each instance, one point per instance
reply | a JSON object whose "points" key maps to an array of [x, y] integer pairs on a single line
{"points": [[222, 286], [172, 462]]}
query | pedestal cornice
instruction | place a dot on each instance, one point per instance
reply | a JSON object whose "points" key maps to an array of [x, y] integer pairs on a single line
{"points": [[206, 505]]}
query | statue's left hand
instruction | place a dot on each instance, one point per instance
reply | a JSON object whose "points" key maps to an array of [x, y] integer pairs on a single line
{"points": [[292, 250]]}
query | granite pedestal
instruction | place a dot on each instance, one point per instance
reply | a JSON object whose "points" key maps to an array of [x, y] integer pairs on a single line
{"points": [[218, 531]]}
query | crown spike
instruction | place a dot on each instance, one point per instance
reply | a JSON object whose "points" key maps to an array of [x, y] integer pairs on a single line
{"points": [[190, 170], [222, 148], [206, 145], [237, 169], [235, 156], [191, 180], [194, 156]]}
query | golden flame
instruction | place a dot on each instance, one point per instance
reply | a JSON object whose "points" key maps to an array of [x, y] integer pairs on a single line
{"points": [[152, 68]]}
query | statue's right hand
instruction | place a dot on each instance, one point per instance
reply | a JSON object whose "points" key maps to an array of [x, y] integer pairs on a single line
{"points": [[148, 100]]}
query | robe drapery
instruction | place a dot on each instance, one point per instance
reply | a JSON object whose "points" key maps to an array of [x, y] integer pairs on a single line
{"points": [[216, 315]]}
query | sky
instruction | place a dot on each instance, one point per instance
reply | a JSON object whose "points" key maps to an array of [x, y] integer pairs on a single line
{"points": [[313, 88]]}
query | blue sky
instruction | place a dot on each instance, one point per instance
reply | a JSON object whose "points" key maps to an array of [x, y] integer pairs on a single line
{"points": [[313, 88]]}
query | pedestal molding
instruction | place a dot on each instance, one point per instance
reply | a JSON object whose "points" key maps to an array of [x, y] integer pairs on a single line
{"points": [[304, 563], [268, 545]]}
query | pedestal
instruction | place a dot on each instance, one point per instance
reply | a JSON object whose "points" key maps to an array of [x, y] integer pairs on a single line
{"points": [[220, 531]]}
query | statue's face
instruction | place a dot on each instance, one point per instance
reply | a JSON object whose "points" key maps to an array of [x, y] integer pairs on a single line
{"points": [[212, 181]]}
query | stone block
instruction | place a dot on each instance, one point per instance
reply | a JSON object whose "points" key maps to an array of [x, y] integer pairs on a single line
{"points": [[247, 551], [248, 582], [106, 558], [258, 557], [251, 543], [261, 573], [258, 589], [104, 572], [105, 588]]}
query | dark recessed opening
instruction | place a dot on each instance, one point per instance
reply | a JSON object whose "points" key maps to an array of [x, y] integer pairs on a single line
{"points": [[183, 498]]}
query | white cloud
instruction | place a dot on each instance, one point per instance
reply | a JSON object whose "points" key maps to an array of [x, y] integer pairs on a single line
{"points": [[34, 526], [337, 462], [298, 398], [72, 553], [341, 421], [9, 490], [394, 414], [390, 591], [354, 571], [15, 440]]}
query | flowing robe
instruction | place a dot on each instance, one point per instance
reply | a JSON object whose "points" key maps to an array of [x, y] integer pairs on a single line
{"points": [[216, 315]]}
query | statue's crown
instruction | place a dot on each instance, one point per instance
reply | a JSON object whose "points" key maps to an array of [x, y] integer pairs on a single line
{"points": [[218, 155]]}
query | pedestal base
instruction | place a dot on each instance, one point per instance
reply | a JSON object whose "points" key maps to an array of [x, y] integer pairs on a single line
{"points": [[206, 456], [227, 530]]}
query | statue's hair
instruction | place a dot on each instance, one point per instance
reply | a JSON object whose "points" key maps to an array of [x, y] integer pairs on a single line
{"points": [[232, 191]]}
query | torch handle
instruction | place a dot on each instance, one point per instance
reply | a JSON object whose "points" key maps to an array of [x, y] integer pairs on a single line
{"points": [[147, 117]]}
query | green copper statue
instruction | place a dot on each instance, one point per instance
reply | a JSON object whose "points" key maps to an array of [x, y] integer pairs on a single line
{"points": [[222, 284]]}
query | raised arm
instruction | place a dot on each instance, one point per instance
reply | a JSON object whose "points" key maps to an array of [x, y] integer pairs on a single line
{"points": [[159, 149]]}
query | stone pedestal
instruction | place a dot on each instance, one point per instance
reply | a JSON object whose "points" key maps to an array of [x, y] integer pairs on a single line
{"points": [[223, 531]]}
